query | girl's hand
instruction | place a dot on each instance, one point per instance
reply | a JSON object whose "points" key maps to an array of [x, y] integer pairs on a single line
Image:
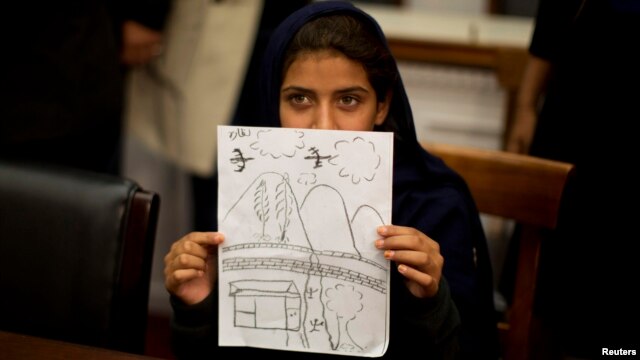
{"points": [[417, 256], [190, 266]]}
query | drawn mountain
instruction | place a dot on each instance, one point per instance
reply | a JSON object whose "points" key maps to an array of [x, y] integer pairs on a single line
{"points": [[357, 235], [324, 214], [363, 225], [270, 214]]}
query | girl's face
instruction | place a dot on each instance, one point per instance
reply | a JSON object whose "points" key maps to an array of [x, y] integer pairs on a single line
{"points": [[327, 90]]}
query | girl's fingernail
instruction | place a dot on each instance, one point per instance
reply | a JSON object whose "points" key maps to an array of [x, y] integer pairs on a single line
{"points": [[388, 254], [382, 230], [402, 269], [379, 244]]}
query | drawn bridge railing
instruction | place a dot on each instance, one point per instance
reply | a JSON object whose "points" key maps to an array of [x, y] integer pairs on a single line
{"points": [[304, 267]]}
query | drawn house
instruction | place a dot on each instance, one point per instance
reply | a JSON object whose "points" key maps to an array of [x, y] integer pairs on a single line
{"points": [[266, 304]]}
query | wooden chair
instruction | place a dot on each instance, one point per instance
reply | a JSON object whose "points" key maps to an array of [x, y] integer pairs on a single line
{"points": [[528, 190], [75, 255]]}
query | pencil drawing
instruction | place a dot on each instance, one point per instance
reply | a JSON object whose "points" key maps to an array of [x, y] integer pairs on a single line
{"points": [[299, 266]]}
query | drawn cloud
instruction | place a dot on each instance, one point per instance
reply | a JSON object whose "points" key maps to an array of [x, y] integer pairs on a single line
{"points": [[278, 144], [307, 179], [356, 159]]}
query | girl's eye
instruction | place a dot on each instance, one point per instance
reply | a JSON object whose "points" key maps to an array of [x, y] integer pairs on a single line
{"points": [[348, 100], [299, 99]]}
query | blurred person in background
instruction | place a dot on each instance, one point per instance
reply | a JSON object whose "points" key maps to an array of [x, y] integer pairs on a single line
{"points": [[62, 77], [577, 103]]}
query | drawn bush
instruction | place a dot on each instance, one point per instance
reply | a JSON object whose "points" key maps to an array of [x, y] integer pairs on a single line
{"points": [[346, 302]]}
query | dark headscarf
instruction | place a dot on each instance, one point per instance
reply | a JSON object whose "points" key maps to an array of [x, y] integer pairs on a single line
{"points": [[427, 195], [400, 110]]}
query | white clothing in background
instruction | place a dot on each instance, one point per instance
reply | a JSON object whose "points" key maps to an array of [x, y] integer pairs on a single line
{"points": [[175, 103]]}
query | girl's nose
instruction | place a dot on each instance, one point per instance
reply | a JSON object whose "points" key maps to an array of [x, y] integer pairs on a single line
{"points": [[324, 118]]}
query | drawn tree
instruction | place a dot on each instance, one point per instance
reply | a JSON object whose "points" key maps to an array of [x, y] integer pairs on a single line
{"points": [[261, 206], [284, 207], [346, 302]]}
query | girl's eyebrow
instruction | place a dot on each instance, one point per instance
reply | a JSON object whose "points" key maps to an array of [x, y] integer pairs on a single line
{"points": [[296, 88], [353, 89], [340, 91]]}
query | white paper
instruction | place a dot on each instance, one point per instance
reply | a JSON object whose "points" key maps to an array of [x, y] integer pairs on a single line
{"points": [[298, 269]]}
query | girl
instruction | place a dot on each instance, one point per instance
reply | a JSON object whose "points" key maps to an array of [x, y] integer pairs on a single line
{"points": [[328, 67]]}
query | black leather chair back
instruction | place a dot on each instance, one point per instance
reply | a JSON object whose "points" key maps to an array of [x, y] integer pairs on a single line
{"points": [[75, 255]]}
